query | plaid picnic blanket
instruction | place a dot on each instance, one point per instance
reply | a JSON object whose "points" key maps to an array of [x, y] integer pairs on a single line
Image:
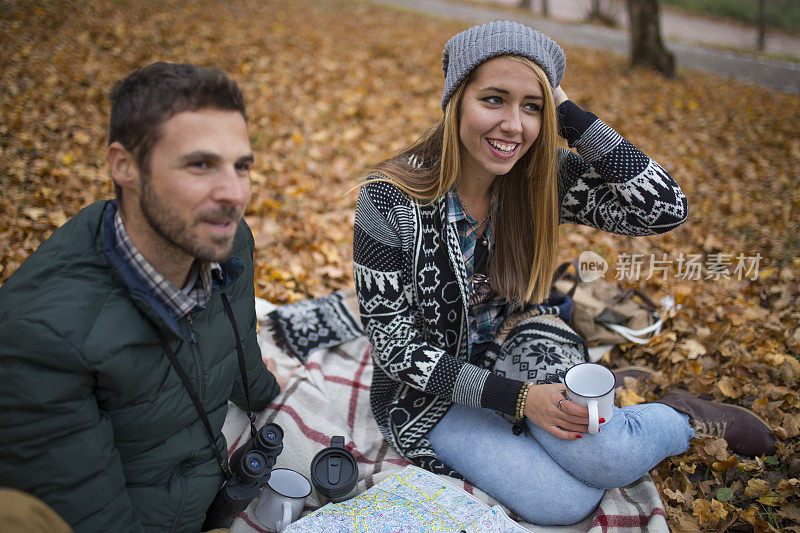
{"points": [[329, 395]]}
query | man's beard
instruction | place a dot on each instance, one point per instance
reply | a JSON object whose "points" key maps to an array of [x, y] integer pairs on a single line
{"points": [[178, 232]]}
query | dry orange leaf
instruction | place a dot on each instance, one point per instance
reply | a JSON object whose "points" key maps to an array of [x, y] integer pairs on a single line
{"points": [[692, 348], [788, 486], [716, 448], [629, 397], [709, 512], [722, 466], [727, 387], [756, 488]]}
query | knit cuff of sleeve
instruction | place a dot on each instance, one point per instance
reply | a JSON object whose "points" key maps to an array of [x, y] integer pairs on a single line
{"points": [[573, 121], [500, 394]]}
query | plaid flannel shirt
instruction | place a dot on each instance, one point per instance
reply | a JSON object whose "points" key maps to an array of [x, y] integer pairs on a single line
{"points": [[484, 318], [180, 301]]}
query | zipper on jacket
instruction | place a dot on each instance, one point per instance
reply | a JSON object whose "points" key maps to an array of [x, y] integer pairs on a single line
{"points": [[177, 519], [198, 367]]}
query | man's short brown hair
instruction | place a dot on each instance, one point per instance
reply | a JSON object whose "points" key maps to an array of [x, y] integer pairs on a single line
{"points": [[143, 101]]}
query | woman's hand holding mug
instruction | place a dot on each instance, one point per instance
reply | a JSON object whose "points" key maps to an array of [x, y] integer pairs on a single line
{"points": [[547, 407]]}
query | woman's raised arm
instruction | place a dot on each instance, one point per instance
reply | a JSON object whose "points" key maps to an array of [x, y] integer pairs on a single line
{"points": [[611, 184]]}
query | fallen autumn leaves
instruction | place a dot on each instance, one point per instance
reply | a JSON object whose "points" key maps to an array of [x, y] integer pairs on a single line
{"points": [[334, 86]]}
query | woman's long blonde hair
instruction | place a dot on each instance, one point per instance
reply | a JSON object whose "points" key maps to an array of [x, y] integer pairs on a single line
{"points": [[525, 220]]}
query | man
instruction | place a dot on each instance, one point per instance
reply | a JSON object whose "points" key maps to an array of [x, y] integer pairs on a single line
{"points": [[94, 419]]}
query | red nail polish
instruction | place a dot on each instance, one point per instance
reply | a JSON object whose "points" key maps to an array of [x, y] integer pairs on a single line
{"points": [[602, 420], [578, 436]]}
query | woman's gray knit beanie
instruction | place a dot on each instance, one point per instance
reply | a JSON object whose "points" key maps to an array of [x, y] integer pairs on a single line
{"points": [[468, 49]]}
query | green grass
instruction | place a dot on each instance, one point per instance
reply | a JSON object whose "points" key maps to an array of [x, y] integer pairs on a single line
{"points": [[781, 14]]}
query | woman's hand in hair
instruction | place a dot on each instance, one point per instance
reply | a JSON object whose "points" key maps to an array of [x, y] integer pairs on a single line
{"points": [[541, 408], [560, 96]]}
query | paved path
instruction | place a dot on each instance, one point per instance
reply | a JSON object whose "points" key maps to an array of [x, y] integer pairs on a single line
{"points": [[779, 75], [678, 25]]}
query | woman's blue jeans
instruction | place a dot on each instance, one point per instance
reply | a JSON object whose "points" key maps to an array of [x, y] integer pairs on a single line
{"points": [[551, 481]]}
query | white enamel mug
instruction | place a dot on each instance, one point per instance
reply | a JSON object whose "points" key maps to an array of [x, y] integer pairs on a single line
{"points": [[282, 500], [592, 385]]}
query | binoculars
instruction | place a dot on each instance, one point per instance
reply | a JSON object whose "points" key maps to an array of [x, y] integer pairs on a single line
{"points": [[250, 466]]}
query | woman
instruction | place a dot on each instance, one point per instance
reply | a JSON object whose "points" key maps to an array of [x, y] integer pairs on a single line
{"points": [[457, 234]]}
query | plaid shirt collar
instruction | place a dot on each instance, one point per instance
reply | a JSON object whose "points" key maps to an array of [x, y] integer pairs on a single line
{"points": [[455, 211], [180, 301], [466, 227]]}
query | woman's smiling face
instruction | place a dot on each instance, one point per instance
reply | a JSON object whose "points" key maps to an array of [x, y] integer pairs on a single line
{"points": [[500, 117]]}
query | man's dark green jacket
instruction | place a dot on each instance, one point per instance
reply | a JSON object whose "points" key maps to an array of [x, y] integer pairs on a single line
{"points": [[93, 418]]}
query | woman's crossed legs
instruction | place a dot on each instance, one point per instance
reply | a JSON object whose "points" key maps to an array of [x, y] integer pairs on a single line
{"points": [[551, 481]]}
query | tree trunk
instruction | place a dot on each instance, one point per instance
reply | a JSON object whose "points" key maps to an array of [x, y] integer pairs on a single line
{"points": [[545, 9], [525, 4], [647, 49], [762, 24]]}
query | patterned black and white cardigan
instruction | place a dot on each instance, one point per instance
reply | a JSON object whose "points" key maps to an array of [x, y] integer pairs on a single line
{"points": [[412, 289]]}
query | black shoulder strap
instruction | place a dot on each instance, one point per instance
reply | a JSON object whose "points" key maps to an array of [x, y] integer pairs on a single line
{"points": [[242, 369], [198, 405], [187, 384]]}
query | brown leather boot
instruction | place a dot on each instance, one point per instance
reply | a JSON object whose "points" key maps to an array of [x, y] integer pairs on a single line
{"points": [[746, 432]]}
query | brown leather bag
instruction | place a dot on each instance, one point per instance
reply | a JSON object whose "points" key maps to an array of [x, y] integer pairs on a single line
{"points": [[604, 313]]}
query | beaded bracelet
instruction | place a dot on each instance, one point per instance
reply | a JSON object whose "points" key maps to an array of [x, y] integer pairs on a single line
{"points": [[523, 395]]}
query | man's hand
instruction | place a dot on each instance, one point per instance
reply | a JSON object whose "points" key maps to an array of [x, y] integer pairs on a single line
{"points": [[273, 369], [542, 408]]}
